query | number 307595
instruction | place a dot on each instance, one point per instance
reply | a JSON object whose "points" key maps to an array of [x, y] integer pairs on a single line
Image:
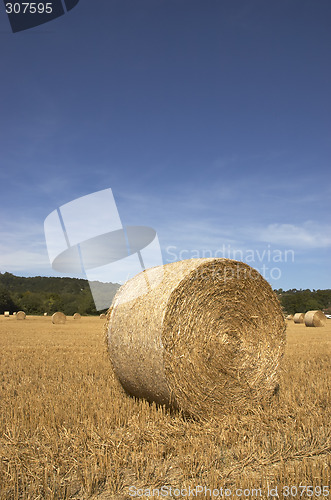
{"points": [[29, 8]]}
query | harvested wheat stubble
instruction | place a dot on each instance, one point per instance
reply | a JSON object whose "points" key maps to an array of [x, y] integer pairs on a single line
{"points": [[206, 336], [315, 318], [289, 317], [299, 318], [77, 316], [59, 318], [20, 315]]}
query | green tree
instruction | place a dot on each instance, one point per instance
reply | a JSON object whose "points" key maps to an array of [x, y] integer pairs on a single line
{"points": [[31, 303], [6, 301]]}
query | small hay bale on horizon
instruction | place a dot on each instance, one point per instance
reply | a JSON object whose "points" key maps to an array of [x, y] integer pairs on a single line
{"points": [[103, 316], [299, 317], [20, 315], [59, 318], [185, 335], [315, 318], [77, 316], [6, 314], [289, 317], [45, 314]]}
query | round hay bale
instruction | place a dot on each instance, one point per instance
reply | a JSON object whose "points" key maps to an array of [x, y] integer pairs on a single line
{"points": [[6, 314], [102, 316], [14, 313], [77, 316], [45, 314], [59, 318], [20, 315], [315, 318], [289, 317], [207, 335], [299, 318]]}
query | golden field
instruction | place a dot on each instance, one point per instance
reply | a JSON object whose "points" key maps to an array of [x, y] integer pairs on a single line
{"points": [[67, 430]]}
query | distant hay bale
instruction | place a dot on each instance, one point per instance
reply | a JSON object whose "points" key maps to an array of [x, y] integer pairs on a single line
{"points": [[59, 318], [289, 317], [315, 318], [299, 318], [77, 316], [204, 336], [14, 313], [102, 316], [6, 314], [45, 314], [20, 315]]}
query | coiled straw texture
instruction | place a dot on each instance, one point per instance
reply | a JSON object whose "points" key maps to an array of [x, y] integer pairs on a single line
{"points": [[201, 335], [315, 318], [299, 318]]}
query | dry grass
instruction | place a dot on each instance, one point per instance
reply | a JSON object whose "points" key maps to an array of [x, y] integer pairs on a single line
{"points": [[68, 431]]}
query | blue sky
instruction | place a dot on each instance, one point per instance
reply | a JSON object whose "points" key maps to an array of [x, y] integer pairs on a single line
{"points": [[208, 119]]}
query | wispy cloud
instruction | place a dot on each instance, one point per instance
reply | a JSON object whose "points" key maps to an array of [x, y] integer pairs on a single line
{"points": [[25, 261], [22, 248], [308, 235], [185, 219], [207, 219]]}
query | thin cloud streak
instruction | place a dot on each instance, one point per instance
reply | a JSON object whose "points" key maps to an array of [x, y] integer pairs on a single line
{"points": [[307, 236]]}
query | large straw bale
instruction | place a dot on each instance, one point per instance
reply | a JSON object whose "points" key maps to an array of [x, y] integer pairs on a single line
{"points": [[20, 315], [77, 316], [315, 318], [201, 335], [59, 318], [299, 318]]}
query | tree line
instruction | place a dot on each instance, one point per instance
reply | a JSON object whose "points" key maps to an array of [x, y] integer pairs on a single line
{"points": [[49, 294], [294, 300], [41, 294]]}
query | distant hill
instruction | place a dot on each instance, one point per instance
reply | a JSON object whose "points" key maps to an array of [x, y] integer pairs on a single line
{"points": [[48, 294]]}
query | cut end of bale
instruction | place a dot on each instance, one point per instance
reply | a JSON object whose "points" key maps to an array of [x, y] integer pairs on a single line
{"points": [[209, 336], [299, 318], [315, 318], [59, 318], [20, 315]]}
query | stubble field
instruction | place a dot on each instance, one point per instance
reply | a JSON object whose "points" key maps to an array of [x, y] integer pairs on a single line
{"points": [[67, 430]]}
